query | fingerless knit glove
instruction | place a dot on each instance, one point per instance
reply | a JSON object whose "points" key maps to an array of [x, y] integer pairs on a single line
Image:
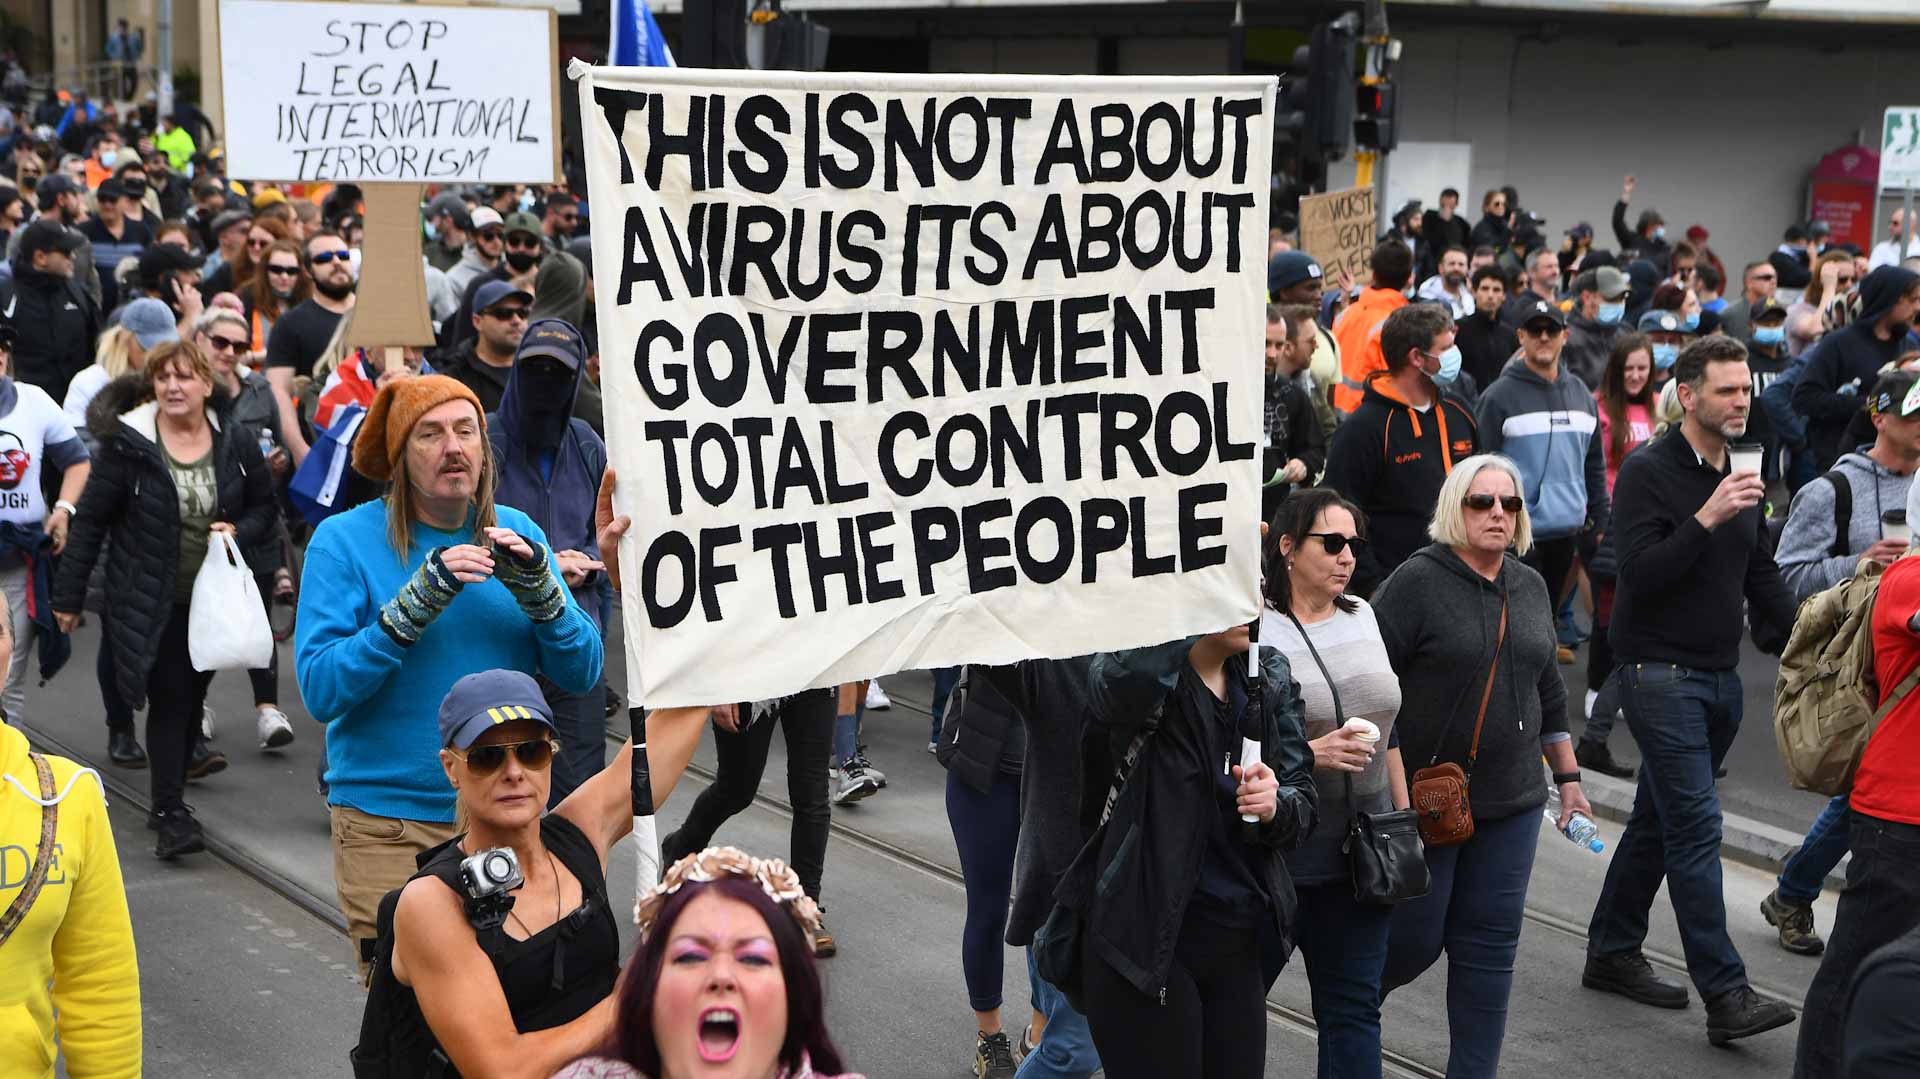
{"points": [[531, 581], [408, 614]]}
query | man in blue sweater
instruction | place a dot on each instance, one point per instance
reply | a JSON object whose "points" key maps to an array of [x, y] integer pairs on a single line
{"points": [[404, 596], [1541, 415]]}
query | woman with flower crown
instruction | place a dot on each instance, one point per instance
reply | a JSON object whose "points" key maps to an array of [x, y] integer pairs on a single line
{"points": [[724, 982]]}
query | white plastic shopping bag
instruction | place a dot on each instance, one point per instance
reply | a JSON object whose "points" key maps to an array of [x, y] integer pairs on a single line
{"points": [[227, 627]]}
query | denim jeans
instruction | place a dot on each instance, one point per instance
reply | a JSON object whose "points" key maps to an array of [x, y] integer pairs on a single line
{"points": [[1684, 721], [1474, 911], [846, 729], [1880, 904], [1805, 872], [1344, 945], [944, 679], [1066, 1045]]}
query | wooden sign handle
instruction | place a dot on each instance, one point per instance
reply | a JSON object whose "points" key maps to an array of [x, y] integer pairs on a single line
{"points": [[392, 304]]}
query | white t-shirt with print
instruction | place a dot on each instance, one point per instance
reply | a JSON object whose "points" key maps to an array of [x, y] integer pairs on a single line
{"points": [[34, 424]]}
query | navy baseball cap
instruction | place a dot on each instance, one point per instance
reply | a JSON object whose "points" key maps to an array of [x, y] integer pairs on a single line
{"points": [[1658, 321], [479, 702], [555, 338], [1288, 268], [494, 292]]}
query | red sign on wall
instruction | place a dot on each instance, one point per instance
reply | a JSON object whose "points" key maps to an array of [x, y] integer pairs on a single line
{"points": [[1840, 192]]}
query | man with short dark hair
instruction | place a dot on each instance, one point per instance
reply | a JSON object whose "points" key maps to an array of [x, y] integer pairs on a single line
{"points": [[1394, 451], [300, 335], [1793, 261], [1757, 282], [560, 215], [1444, 227], [115, 237], [447, 223], [1599, 305], [1486, 343], [1292, 447], [1693, 555], [1392, 268], [1448, 285]]}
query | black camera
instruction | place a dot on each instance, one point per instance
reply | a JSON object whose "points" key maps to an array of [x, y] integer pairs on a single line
{"points": [[489, 877]]}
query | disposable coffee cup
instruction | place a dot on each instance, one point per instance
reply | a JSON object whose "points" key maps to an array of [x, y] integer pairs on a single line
{"points": [[1363, 730], [1746, 456], [1893, 525]]}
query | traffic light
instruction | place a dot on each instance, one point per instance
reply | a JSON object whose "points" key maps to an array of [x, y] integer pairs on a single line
{"points": [[1329, 78], [1373, 126]]}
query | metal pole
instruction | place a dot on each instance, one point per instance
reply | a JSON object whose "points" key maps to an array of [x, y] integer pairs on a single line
{"points": [[1901, 242], [163, 59]]}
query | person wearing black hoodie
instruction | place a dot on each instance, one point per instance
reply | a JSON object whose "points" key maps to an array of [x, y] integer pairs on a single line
{"points": [[1486, 343], [550, 469], [1838, 370], [1392, 454], [56, 320]]}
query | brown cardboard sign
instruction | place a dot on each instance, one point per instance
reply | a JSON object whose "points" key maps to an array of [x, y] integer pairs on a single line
{"points": [[1337, 229]]}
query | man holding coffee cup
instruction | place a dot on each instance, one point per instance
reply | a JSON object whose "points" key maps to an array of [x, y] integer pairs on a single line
{"points": [[1853, 514], [1692, 553]]}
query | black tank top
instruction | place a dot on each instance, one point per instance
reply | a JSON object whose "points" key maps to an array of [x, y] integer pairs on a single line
{"points": [[550, 979]]}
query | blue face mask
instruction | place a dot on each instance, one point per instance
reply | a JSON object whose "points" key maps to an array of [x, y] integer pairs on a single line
{"points": [[527, 200], [1691, 322], [1660, 232], [1665, 356], [1449, 367], [1611, 313], [433, 231], [1769, 335]]}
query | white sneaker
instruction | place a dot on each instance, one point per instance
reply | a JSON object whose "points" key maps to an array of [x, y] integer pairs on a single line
{"points": [[274, 729], [1592, 696], [877, 699], [855, 782], [206, 722]]}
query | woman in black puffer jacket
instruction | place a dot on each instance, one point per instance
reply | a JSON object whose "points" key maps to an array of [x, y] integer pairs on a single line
{"points": [[168, 475]]}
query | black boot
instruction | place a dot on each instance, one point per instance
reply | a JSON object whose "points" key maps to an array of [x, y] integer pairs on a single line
{"points": [[1631, 976], [179, 834], [1597, 757], [1742, 1013], [123, 750], [205, 761]]}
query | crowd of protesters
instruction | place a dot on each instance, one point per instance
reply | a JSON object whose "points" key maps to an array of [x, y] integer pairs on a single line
{"points": [[1492, 451]]}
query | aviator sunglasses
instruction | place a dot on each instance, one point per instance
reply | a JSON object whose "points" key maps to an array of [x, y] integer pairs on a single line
{"points": [[1483, 503], [533, 755]]}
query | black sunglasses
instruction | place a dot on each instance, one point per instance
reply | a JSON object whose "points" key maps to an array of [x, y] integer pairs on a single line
{"points": [[506, 313], [321, 258], [1334, 542], [224, 344], [486, 760], [1483, 503], [288, 271]]}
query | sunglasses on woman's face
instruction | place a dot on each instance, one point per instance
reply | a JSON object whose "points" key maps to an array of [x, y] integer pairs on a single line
{"points": [[1484, 503], [534, 756], [1334, 542], [283, 271], [224, 344]]}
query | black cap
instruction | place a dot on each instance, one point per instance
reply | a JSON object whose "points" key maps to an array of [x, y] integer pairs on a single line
{"points": [[53, 185], [162, 259], [1288, 268], [46, 234], [1542, 309]]}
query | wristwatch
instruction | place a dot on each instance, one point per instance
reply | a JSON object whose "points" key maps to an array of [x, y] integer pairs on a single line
{"points": [[1561, 779]]}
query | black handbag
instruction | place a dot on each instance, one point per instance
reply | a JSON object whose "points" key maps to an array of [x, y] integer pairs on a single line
{"points": [[1384, 851]]}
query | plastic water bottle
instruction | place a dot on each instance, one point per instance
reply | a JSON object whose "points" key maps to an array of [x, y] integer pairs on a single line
{"points": [[1580, 828]]}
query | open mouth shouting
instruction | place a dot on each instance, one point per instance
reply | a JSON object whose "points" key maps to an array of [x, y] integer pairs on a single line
{"points": [[719, 1035]]}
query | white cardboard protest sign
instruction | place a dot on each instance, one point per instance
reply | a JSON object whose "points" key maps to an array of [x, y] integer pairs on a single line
{"points": [[908, 371], [402, 93]]}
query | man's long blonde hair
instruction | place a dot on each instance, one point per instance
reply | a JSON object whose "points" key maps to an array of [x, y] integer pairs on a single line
{"points": [[400, 508]]}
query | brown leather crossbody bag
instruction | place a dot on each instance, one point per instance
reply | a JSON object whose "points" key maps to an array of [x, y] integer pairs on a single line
{"points": [[1439, 791]]}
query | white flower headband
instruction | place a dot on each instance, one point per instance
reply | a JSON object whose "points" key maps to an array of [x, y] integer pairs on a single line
{"points": [[775, 878]]}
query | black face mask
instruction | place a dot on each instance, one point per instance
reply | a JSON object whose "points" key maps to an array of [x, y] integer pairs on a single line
{"points": [[522, 261], [135, 189]]}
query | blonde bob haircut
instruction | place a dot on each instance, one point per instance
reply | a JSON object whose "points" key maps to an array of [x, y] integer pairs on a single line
{"points": [[1450, 516]]}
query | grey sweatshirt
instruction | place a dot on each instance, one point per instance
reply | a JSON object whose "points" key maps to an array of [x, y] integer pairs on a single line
{"points": [[1806, 544]]}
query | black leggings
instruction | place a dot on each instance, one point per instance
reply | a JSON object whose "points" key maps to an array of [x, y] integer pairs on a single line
{"points": [[742, 758], [1210, 1023], [175, 694], [986, 829]]}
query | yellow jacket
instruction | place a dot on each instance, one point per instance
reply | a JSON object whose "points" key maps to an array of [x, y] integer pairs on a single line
{"points": [[73, 955]]}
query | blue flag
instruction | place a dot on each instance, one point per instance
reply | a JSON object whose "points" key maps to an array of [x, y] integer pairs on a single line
{"points": [[635, 39]]}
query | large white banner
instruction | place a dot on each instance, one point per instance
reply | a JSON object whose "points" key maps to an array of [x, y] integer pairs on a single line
{"points": [[408, 93], [908, 371]]}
